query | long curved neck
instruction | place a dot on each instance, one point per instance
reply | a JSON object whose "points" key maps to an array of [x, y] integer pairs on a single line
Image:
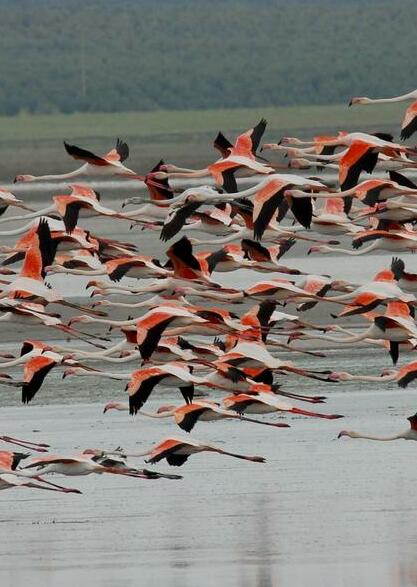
{"points": [[191, 173], [347, 339], [19, 360], [35, 214], [98, 354], [129, 454], [68, 271], [403, 98], [69, 175], [371, 247], [343, 194], [378, 438], [166, 414], [238, 235], [378, 378], [114, 322], [154, 300], [106, 374]]}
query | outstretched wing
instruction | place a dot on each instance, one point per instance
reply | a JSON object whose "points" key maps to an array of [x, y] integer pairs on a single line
{"points": [[87, 156]]}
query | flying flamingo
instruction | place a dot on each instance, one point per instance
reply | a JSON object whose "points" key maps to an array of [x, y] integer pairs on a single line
{"points": [[85, 464], [266, 403], [176, 451], [187, 416], [107, 165]]}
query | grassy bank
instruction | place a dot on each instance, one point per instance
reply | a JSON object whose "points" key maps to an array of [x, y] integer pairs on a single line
{"points": [[33, 144]]}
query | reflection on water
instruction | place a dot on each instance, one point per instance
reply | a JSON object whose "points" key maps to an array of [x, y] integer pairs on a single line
{"points": [[321, 512]]}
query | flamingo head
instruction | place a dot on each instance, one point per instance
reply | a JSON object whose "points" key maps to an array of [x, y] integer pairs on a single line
{"points": [[99, 302], [95, 283], [338, 376], [289, 141], [80, 319], [359, 100], [294, 336], [113, 406], [346, 433], [163, 409], [71, 371], [22, 178], [316, 249]]}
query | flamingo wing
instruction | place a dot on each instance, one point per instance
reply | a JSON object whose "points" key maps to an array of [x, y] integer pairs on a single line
{"points": [[359, 157], [222, 145], [139, 391], [185, 264], [119, 153], [401, 179], [409, 124], [167, 450], [266, 202], [87, 156], [176, 219], [187, 416], [35, 371], [257, 134], [407, 374]]}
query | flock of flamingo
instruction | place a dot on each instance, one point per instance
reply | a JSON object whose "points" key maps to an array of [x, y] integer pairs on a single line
{"points": [[185, 330]]}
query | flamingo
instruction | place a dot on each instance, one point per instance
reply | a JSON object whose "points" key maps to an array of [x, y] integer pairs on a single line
{"points": [[90, 461], [265, 403], [176, 451], [187, 416], [107, 165]]}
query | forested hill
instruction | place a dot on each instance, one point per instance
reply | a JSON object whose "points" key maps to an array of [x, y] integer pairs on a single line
{"points": [[129, 55]]}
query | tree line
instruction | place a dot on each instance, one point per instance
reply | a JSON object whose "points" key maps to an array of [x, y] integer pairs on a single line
{"points": [[129, 55]]}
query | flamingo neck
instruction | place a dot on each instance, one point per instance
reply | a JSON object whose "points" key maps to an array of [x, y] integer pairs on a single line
{"points": [[378, 438]]}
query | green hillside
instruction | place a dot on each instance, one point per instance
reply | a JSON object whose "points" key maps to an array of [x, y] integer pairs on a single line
{"points": [[136, 55]]}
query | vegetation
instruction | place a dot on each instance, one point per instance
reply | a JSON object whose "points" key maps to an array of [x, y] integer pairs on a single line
{"points": [[130, 55]]}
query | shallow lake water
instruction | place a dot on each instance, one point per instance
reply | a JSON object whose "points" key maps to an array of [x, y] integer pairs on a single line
{"points": [[320, 511]]}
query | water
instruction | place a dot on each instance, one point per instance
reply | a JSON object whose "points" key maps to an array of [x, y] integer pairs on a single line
{"points": [[320, 512]]}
